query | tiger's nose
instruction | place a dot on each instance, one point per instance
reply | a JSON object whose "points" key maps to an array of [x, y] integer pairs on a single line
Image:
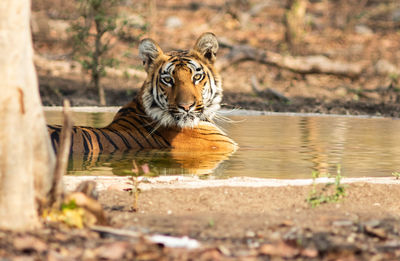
{"points": [[186, 106]]}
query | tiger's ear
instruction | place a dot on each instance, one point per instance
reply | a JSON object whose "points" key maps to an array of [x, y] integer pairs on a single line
{"points": [[207, 45], [149, 51]]}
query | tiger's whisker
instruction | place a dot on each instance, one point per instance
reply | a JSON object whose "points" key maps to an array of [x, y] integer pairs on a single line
{"points": [[227, 119], [154, 129]]}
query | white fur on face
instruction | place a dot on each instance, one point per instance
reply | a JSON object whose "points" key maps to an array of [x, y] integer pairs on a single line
{"points": [[156, 105]]}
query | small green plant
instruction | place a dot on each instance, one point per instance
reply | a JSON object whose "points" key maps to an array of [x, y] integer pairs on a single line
{"points": [[326, 195], [134, 181], [211, 223], [69, 205], [70, 214], [396, 175], [126, 75], [92, 35], [394, 77]]}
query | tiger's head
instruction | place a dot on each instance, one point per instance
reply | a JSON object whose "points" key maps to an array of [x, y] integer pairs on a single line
{"points": [[182, 87]]}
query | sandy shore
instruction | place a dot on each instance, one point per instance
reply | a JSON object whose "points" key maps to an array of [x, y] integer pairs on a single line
{"points": [[194, 182]]}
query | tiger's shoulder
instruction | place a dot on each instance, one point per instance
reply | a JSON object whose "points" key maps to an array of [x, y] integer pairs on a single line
{"points": [[206, 136]]}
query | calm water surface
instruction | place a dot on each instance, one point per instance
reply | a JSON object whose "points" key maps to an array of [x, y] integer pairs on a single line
{"points": [[273, 146]]}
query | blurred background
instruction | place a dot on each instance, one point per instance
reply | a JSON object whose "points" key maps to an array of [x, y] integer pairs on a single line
{"points": [[329, 56]]}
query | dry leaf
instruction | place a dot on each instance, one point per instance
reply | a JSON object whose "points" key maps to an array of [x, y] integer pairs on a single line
{"points": [[112, 251], [280, 249]]}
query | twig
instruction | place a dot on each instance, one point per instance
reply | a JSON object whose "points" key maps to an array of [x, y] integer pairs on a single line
{"points": [[56, 192], [116, 232], [90, 204], [88, 188]]}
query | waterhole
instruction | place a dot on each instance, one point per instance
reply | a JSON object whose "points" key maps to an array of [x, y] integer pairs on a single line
{"points": [[271, 146]]}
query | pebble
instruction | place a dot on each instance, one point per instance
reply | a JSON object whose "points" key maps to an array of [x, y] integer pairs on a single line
{"points": [[173, 22], [342, 223], [372, 223], [351, 238], [383, 66], [275, 236], [112, 251], [250, 233], [363, 30], [224, 250]]}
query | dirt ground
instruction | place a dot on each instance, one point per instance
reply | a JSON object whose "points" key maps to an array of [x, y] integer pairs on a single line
{"points": [[247, 221], [231, 223]]}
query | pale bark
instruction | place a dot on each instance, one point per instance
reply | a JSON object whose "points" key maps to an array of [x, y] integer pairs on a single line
{"points": [[299, 64], [151, 17], [294, 23], [26, 157]]}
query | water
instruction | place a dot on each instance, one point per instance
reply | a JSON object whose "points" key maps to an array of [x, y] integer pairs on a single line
{"points": [[271, 146]]}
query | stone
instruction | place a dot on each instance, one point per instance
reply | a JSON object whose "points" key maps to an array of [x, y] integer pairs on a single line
{"points": [[173, 22]]}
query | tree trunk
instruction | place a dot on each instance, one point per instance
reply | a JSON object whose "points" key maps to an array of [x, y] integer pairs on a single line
{"points": [[26, 156], [151, 17], [102, 95], [96, 70], [295, 23]]}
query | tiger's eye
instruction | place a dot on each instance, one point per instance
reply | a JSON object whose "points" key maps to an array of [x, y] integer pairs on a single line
{"points": [[167, 80], [197, 77]]}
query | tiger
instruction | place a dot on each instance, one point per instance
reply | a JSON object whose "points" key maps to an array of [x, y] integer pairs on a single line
{"points": [[174, 108]]}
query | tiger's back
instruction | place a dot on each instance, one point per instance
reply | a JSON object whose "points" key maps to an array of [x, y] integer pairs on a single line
{"points": [[174, 109]]}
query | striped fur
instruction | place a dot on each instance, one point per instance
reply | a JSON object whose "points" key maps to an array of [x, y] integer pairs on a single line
{"points": [[174, 109]]}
